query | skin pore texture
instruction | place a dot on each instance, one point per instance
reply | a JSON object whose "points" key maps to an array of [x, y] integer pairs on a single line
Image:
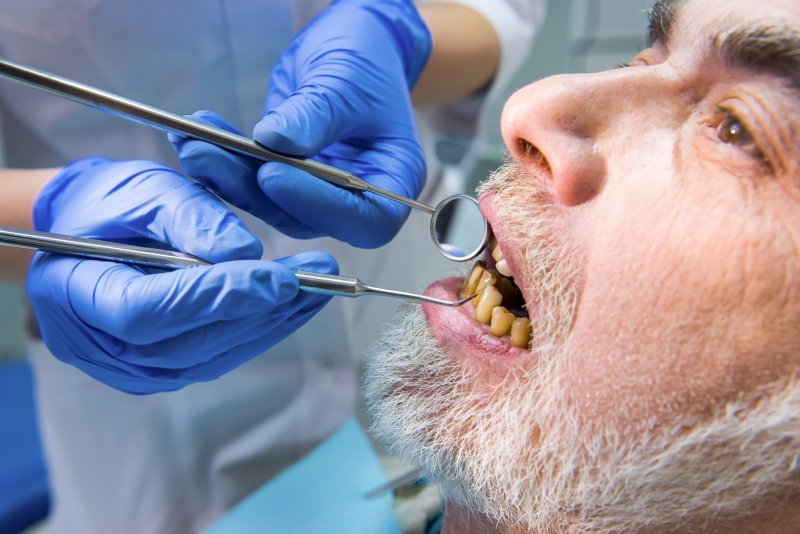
{"points": [[651, 217]]}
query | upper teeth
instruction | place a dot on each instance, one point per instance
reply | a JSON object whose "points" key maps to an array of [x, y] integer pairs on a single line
{"points": [[502, 264], [488, 299]]}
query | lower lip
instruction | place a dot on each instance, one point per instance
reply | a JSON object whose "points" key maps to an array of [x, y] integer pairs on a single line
{"points": [[457, 328]]}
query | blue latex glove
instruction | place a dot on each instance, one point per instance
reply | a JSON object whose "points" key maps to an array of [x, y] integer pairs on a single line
{"points": [[339, 93], [144, 331]]}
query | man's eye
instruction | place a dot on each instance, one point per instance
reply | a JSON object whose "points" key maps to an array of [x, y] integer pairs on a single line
{"points": [[733, 132]]}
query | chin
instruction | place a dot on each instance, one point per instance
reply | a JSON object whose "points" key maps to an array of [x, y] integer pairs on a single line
{"points": [[489, 418]]}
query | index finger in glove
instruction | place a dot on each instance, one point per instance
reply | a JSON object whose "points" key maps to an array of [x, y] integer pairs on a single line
{"points": [[131, 199], [231, 175], [362, 219], [141, 309]]}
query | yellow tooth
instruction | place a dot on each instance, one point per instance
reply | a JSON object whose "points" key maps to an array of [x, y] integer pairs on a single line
{"points": [[502, 268], [490, 297], [521, 332], [501, 321], [487, 279], [497, 254], [471, 282]]}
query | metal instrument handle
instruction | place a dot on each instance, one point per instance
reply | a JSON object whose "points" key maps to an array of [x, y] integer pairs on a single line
{"points": [[344, 286], [170, 122], [328, 284], [96, 249]]}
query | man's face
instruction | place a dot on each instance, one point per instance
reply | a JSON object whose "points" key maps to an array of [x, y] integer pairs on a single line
{"points": [[651, 217]]}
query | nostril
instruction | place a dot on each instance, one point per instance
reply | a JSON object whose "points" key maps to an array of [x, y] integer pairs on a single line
{"points": [[532, 155], [526, 147]]}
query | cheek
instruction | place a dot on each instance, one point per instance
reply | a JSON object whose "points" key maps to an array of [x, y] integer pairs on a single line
{"points": [[675, 314]]}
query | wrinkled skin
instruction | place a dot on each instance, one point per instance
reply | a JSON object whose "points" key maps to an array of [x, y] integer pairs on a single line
{"points": [[687, 242], [674, 185]]}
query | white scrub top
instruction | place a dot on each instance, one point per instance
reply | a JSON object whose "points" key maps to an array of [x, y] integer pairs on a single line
{"points": [[174, 462]]}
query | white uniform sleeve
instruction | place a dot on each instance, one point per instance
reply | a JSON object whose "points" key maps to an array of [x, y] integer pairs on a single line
{"points": [[515, 22]]}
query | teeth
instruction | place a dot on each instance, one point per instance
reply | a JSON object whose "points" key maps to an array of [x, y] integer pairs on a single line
{"points": [[501, 263], [487, 279], [497, 254], [471, 282], [502, 268], [521, 332], [512, 296], [502, 320], [496, 293], [490, 297]]}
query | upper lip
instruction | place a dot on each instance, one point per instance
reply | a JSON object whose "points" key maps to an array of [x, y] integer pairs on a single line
{"points": [[512, 256]]}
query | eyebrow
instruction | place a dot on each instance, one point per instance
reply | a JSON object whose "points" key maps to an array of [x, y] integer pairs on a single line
{"points": [[661, 19], [768, 48]]}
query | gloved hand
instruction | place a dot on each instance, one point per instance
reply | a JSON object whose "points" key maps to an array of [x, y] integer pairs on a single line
{"points": [[339, 93], [144, 331]]}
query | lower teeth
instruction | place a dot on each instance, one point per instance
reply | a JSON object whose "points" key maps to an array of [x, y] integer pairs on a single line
{"points": [[502, 320], [521, 332], [493, 291], [489, 298]]}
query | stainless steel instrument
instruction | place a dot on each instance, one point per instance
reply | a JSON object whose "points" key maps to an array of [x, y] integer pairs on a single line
{"points": [[341, 286], [469, 246]]}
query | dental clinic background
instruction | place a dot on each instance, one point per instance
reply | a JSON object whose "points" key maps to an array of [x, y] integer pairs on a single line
{"points": [[578, 36]]}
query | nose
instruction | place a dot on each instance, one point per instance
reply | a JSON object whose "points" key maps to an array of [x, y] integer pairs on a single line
{"points": [[554, 128]]}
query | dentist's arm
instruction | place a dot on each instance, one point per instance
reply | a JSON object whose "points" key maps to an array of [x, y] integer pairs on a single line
{"points": [[19, 187], [465, 55]]}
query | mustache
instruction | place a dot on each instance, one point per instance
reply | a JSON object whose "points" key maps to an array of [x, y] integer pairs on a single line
{"points": [[513, 448], [524, 206]]}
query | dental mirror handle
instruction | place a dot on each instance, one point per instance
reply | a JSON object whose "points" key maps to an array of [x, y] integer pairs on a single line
{"points": [[327, 284], [170, 122]]}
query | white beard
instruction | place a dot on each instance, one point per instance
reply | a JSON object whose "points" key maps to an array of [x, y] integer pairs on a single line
{"points": [[516, 452], [517, 456]]}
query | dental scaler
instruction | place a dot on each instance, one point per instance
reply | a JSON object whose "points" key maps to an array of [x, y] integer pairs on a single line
{"points": [[328, 284]]}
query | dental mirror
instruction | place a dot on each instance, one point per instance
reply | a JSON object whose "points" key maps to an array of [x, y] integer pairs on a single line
{"points": [[459, 229], [457, 226]]}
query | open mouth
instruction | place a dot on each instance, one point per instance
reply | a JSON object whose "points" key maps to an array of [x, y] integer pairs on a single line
{"points": [[499, 303], [496, 323]]}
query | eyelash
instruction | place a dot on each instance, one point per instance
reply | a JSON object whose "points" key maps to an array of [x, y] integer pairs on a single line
{"points": [[631, 63]]}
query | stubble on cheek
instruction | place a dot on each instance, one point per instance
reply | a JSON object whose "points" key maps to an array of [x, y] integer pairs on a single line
{"points": [[550, 264], [532, 442], [477, 427]]}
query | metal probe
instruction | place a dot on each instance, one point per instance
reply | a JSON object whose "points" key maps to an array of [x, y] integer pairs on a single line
{"points": [[328, 284], [170, 122], [163, 120]]}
